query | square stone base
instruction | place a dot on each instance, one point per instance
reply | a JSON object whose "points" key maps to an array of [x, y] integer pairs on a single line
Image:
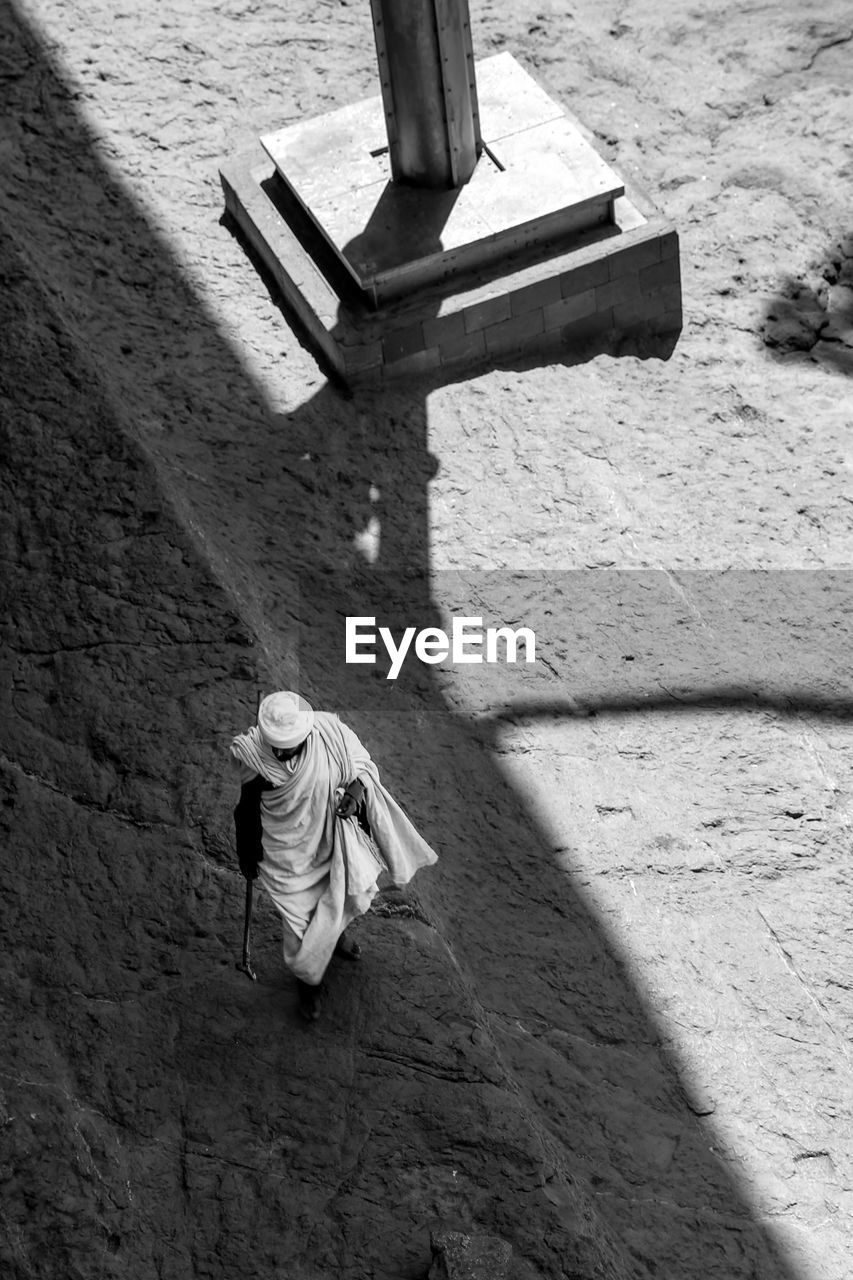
{"points": [[537, 280], [538, 181]]}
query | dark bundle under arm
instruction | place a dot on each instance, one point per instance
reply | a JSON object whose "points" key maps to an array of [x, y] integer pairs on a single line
{"points": [[247, 826]]}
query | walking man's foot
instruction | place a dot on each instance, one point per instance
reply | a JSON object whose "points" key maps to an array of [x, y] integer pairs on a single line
{"points": [[309, 1000], [347, 948]]}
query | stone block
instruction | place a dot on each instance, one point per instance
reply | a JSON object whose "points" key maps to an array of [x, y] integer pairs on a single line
{"points": [[533, 297], [486, 313], [444, 328], [592, 326], [459, 1256], [403, 342], [588, 276], [617, 292], [572, 308], [629, 313], [412, 365], [659, 275], [635, 258], [669, 244], [648, 309], [513, 333], [626, 215], [470, 346], [668, 298], [669, 322]]}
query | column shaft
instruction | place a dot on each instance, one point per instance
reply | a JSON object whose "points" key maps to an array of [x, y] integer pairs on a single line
{"points": [[426, 69]]}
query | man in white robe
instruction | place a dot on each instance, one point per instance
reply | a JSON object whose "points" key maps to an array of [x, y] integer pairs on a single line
{"points": [[310, 794]]}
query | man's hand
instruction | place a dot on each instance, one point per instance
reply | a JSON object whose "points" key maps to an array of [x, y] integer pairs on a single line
{"points": [[351, 799], [249, 868]]}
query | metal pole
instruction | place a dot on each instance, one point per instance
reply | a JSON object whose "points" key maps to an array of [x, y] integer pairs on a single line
{"points": [[426, 70]]}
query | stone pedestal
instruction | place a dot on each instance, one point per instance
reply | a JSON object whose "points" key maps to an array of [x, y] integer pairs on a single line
{"points": [[543, 248]]}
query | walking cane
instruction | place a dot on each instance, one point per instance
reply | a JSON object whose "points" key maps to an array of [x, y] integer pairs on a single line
{"points": [[245, 965]]}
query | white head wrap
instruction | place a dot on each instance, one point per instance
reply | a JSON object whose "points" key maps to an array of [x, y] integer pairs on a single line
{"points": [[285, 719]]}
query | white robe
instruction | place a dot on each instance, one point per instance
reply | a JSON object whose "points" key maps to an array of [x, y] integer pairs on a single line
{"points": [[321, 871]]}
